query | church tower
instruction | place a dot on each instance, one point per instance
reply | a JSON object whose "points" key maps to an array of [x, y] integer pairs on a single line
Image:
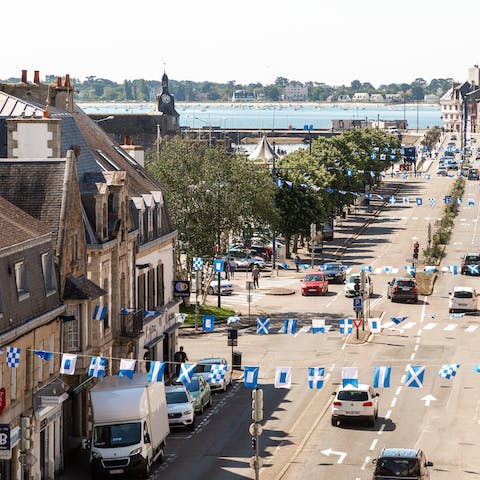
{"points": [[169, 124]]}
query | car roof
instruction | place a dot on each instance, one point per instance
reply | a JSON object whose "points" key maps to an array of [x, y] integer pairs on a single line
{"points": [[175, 388], [463, 289], [400, 452], [211, 360], [361, 387]]}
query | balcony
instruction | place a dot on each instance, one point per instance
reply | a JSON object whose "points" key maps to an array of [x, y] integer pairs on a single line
{"points": [[131, 323]]}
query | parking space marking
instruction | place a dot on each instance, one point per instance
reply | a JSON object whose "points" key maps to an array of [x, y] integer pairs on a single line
{"points": [[430, 326], [387, 415], [374, 444], [382, 428], [471, 328], [397, 391], [450, 327], [394, 402], [365, 462]]}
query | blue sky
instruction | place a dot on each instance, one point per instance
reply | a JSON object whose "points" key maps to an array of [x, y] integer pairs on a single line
{"points": [[379, 41]]}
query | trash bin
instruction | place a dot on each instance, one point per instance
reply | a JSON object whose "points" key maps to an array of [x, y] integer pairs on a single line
{"points": [[237, 360]]}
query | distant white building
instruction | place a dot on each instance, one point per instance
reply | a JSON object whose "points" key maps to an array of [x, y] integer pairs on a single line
{"points": [[295, 92], [243, 96], [377, 98], [344, 98], [361, 97], [393, 97], [431, 98]]}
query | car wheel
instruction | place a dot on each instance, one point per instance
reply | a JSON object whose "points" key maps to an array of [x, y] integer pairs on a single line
{"points": [[211, 291], [210, 401], [192, 425], [202, 407], [334, 422]]}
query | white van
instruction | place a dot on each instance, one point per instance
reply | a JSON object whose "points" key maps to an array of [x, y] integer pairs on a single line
{"points": [[463, 299]]}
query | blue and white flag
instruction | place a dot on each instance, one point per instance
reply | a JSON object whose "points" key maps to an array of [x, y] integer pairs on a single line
{"points": [[155, 373], [350, 376], [476, 368], [318, 325], [316, 377], [279, 182], [375, 325], [366, 268], [381, 377], [349, 173], [250, 376], [432, 315], [218, 266], [127, 368], [406, 200], [263, 325], [427, 176], [67, 365], [410, 269], [471, 202], [419, 201], [283, 377], [392, 200], [290, 326], [233, 319], [43, 354], [453, 269], [457, 315], [432, 202], [447, 199], [346, 326], [415, 376], [473, 269], [186, 372], [217, 373], [459, 201], [430, 269], [13, 357], [150, 313], [208, 323], [97, 367], [448, 370], [181, 317], [388, 269], [99, 313], [197, 263], [397, 320], [405, 176]]}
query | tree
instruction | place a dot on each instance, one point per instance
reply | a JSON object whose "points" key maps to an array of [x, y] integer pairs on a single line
{"points": [[281, 82], [355, 85]]}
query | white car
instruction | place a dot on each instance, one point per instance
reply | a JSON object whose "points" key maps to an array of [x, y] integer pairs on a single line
{"points": [[463, 299], [180, 407], [349, 288], [226, 286], [355, 403], [204, 366]]}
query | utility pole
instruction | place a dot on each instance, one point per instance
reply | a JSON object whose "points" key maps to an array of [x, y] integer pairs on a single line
{"points": [[362, 295], [274, 178], [256, 430]]}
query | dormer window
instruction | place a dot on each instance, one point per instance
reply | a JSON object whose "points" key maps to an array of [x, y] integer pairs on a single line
{"points": [[21, 280]]}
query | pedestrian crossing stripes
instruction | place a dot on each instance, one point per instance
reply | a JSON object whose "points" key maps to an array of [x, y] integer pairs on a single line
{"points": [[429, 326], [471, 328], [241, 298], [450, 327]]}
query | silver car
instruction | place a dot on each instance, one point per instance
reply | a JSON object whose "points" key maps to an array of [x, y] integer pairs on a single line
{"points": [[203, 367]]}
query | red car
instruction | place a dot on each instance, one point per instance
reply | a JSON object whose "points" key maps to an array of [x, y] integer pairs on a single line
{"points": [[315, 283]]}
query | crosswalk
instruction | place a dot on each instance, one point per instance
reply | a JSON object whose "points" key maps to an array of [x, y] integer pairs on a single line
{"points": [[242, 298], [450, 327]]}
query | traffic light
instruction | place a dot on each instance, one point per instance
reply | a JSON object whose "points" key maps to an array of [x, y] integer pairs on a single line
{"points": [[26, 430], [257, 405], [416, 246], [254, 443], [356, 286]]}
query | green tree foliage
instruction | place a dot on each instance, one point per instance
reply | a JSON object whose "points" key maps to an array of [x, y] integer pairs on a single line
{"points": [[431, 137]]}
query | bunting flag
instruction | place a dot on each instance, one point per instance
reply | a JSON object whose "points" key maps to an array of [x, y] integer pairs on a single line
{"points": [[67, 365], [392, 200], [457, 315], [316, 377], [318, 325], [186, 372], [388, 269], [430, 269], [127, 368], [406, 200], [375, 325], [99, 313], [449, 370], [453, 269], [290, 326], [419, 201], [217, 373], [208, 323], [473, 269], [263, 326], [415, 376], [410, 269], [432, 315], [381, 377], [350, 376], [155, 373], [150, 313], [197, 263], [43, 355], [233, 319], [476, 368], [471, 202], [283, 377], [13, 357], [397, 320], [250, 376], [97, 367], [181, 317], [432, 202], [346, 326], [367, 268]]}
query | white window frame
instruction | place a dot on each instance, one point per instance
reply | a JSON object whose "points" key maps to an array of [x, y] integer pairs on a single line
{"points": [[21, 280], [49, 277], [72, 334]]}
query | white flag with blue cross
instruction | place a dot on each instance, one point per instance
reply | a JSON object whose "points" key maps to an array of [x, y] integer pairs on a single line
{"points": [[415, 376], [250, 376], [316, 377], [473, 269], [381, 377], [290, 326], [346, 326], [263, 325], [283, 377], [97, 367], [350, 376], [449, 370]]}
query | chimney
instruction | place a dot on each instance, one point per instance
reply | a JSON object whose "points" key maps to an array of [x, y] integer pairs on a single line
{"points": [[24, 76], [67, 81], [59, 81], [36, 77], [63, 94]]}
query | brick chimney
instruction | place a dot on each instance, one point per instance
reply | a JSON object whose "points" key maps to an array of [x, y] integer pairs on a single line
{"points": [[36, 77], [24, 76], [63, 94]]}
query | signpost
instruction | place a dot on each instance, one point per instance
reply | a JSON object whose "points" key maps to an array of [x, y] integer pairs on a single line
{"points": [[357, 304]]}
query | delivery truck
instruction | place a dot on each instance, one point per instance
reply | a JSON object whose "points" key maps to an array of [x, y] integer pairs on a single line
{"points": [[130, 426]]}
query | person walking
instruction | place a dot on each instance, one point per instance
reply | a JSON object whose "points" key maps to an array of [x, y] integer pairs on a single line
{"points": [[179, 357], [233, 267], [227, 270], [297, 262], [255, 276]]}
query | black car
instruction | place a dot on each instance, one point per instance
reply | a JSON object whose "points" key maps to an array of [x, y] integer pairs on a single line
{"points": [[470, 259], [335, 272], [473, 174], [402, 289], [393, 463]]}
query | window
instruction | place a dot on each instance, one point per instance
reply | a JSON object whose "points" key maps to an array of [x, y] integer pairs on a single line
{"points": [[13, 383], [49, 277], [75, 252], [353, 395], [160, 286], [1, 307], [21, 281], [72, 330]]}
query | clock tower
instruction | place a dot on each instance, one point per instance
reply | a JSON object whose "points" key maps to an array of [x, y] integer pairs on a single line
{"points": [[169, 124]]}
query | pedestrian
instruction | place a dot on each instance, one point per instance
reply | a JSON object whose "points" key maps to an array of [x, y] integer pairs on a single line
{"points": [[227, 270], [297, 262], [255, 276], [233, 267], [178, 358]]}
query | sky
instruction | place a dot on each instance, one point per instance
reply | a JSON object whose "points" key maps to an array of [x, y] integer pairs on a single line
{"points": [[336, 42]]}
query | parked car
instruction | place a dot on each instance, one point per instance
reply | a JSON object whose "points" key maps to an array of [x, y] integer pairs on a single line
{"points": [[442, 170], [470, 259], [473, 174], [247, 263], [401, 463], [315, 283], [355, 403], [226, 286], [452, 165], [203, 367], [401, 288], [453, 138], [349, 288], [201, 392], [180, 406], [463, 299], [335, 272]]}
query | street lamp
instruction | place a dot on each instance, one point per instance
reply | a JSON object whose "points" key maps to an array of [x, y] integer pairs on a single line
{"points": [[209, 129], [110, 117]]}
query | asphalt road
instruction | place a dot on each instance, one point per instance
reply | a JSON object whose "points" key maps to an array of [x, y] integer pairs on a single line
{"points": [[298, 441]]}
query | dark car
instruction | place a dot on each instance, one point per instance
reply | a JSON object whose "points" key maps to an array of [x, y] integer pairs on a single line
{"points": [[402, 289], [473, 174], [335, 272], [394, 463], [470, 259]]}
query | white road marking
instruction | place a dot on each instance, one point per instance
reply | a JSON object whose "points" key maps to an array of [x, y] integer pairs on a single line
{"points": [[394, 402], [450, 327], [364, 464], [304, 329], [387, 415], [414, 218], [397, 391], [471, 328], [418, 340], [402, 380], [408, 325], [388, 324], [415, 348], [374, 444], [430, 326], [412, 356], [382, 428], [332, 367]]}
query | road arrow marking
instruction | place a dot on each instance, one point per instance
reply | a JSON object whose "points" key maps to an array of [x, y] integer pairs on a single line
{"points": [[428, 399], [329, 452]]}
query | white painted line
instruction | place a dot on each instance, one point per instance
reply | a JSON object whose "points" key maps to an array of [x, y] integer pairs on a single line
{"points": [[387, 415], [331, 368], [382, 428], [419, 333], [374, 444], [394, 402], [471, 328], [402, 380], [304, 329], [388, 324], [412, 356], [430, 326], [450, 327], [415, 348], [408, 325], [364, 464], [417, 340], [398, 390]]}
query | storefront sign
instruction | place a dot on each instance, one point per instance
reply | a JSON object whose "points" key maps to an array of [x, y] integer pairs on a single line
{"points": [[4, 437]]}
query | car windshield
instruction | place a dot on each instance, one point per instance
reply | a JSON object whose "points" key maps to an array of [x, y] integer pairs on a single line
{"points": [[120, 435], [193, 385], [332, 266], [313, 278], [353, 395], [352, 278], [463, 294], [472, 258], [406, 283], [176, 397], [397, 467], [202, 368]]}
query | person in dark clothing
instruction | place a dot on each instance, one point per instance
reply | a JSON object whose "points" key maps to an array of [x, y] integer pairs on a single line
{"points": [[178, 358], [297, 262]]}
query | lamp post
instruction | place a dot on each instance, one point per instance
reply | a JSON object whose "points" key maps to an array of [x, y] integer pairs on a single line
{"points": [[110, 117], [274, 178], [219, 301], [209, 129]]}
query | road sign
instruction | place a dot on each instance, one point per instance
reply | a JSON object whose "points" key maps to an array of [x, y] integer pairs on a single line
{"points": [[232, 343], [357, 302], [357, 322], [5, 436]]}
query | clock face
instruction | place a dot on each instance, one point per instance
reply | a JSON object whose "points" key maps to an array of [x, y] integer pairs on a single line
{"points": [[165, 98]]}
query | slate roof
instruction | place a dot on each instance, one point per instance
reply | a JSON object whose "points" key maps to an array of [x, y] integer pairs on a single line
{"points": [[36, 187], [18, 226], [81, 288]]}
